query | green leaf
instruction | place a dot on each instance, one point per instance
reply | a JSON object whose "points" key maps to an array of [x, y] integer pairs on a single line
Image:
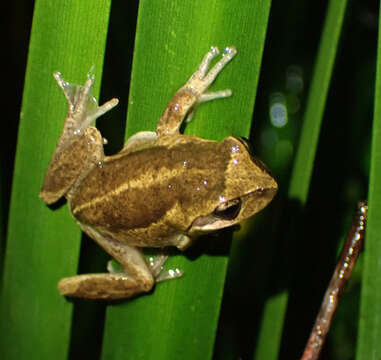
{"points": [[369, 345], [305, 156], [275, 309], [179, 318], [43, 245]]}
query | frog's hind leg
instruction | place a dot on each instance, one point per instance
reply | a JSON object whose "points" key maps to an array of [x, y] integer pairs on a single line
{"points": [[137, 277], [194, 92]]}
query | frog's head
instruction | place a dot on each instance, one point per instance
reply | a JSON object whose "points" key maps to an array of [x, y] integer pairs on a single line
{"points": [[248, 188]]}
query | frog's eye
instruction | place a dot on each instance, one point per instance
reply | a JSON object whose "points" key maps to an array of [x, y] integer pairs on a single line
{"points": [[228, 210]]}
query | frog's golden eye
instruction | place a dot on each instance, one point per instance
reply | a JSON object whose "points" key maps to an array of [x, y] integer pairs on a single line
{"points": [[228, 210]]}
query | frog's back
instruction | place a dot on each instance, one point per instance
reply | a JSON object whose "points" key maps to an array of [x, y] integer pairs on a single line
{"points": [[133, 191]]}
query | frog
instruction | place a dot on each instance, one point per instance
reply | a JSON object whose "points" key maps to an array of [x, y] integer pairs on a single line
{"points": [[162, 189]]}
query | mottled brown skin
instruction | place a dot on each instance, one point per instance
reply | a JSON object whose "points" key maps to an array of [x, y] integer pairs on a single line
{"points": [[162, 189], [155, 181], [99, 286], [63, 170]]}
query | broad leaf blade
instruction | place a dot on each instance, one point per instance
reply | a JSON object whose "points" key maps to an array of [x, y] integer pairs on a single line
{"points": [[43, 245], [179, 319]]}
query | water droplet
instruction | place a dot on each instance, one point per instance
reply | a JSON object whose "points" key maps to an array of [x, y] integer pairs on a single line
{"points": [[235, 148], [214, 50], [151, 261], [278, 109]]}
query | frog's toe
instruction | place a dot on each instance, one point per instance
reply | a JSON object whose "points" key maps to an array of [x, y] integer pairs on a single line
{"points": [[205, 63], [157, 268], [156, 264], [83, 107], [168, 274], [208, 96], [205, 75]]}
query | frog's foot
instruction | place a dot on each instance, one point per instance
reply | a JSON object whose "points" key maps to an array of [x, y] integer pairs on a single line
{"points": [[194, 92], [208, 97], [83, 107], [156, 265], [117, 284], [134, 276], [200, 81]]}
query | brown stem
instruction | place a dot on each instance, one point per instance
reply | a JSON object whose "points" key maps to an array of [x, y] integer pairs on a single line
{"points": [[352, 246]]}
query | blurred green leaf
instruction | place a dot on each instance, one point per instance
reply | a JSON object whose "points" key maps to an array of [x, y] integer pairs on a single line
{"points": [[369, 345], [275, 309], [322, 75]]}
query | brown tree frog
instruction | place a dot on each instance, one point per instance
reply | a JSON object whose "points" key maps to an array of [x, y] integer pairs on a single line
{"points": [[162, 189]]}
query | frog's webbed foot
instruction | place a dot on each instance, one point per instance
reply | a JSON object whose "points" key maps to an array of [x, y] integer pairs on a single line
{"points": [[200, 81], [194, 92], [83, 107], [157, 268]]}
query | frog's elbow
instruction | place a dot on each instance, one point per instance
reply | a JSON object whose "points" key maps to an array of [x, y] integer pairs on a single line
{"points": [[48, 197], [51, 192]]}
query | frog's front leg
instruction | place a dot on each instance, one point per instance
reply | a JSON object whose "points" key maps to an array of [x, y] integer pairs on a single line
{"points": [[137, 276], [194, 92], [80, 146]]}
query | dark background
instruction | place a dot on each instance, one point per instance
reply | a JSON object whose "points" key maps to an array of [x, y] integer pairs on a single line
{"points": [[340, 174]]}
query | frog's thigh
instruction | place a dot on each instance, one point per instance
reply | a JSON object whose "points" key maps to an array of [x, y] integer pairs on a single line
{"points": [[100, 286], [136, 279]]}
